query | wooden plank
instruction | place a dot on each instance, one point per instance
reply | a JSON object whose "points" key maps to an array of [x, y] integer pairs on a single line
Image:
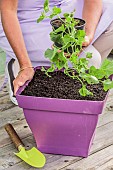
{"points": [[4, 92], [104, 157], [108, 165], [110, 99], [20, 126], [9, 159], [1, 79], [7, 156], [5, 103], [93, 162], [102, 140], [11, 115], [5, 89], [105, 118], [103, 137]]}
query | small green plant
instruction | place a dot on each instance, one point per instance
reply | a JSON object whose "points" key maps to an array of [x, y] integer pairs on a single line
{"points": [[68, 36]]}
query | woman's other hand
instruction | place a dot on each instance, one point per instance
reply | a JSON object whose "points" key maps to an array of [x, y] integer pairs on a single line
{"points": [[23, 76], [92, 11], [87, 41]]}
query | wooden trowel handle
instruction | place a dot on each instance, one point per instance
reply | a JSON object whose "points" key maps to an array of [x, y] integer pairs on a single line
{"points": [[13, 135]]}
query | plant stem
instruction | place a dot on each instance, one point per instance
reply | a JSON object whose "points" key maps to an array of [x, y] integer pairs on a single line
{"points": [[80, 80]]}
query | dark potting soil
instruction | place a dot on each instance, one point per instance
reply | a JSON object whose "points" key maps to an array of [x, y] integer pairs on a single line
{"points": [[60, 86], [57, 22]]}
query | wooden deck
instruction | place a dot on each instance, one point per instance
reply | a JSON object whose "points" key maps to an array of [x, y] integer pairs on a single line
{"points": [[101, 154]]}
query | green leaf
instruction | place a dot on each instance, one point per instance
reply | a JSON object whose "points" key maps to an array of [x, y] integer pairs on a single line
{"points": [[105, 63], [60, 29], [46, 5], [56, 37], [83, 63], [55, 57], [42, 16], [49, 53], [76, 21], [82, 70], [60, 60], [68, 19], [80, 41], [72, 25], [43, 69], [74, 58], [65, 46], [66, 15], [55, 11], [80, 33], [84, 92], [89, 55], [92, 79], [108, 84], [98, 73], [72, 14], [89, 78], [107, 67], [67, 38], [51, 69]]}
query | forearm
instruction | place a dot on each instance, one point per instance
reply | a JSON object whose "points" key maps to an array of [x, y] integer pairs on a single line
{"points": [[92, 12], [14, 35]]}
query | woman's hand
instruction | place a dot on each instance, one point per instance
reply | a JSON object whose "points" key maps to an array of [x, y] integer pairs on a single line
{"points": [[88, 39], [13, 32], [92, 11], [23, 76]]}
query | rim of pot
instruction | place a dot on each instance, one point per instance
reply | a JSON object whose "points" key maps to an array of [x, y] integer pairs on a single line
{"points": [[78, 26]]}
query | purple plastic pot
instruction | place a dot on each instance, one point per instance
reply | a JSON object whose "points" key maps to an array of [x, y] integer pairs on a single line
{"points": [[61, 126]]}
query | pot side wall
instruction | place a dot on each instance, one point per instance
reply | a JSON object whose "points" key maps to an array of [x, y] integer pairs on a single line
{"points": [[62, 133]]}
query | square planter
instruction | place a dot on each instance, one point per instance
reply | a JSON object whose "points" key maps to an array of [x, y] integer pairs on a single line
{"points": [[61, 126]]}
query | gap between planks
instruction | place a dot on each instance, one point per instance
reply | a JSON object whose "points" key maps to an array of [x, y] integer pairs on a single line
{"points": [[102, 135]]}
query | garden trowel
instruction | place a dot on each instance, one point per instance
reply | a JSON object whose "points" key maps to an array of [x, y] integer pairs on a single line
{"points": [[33, 156]]}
